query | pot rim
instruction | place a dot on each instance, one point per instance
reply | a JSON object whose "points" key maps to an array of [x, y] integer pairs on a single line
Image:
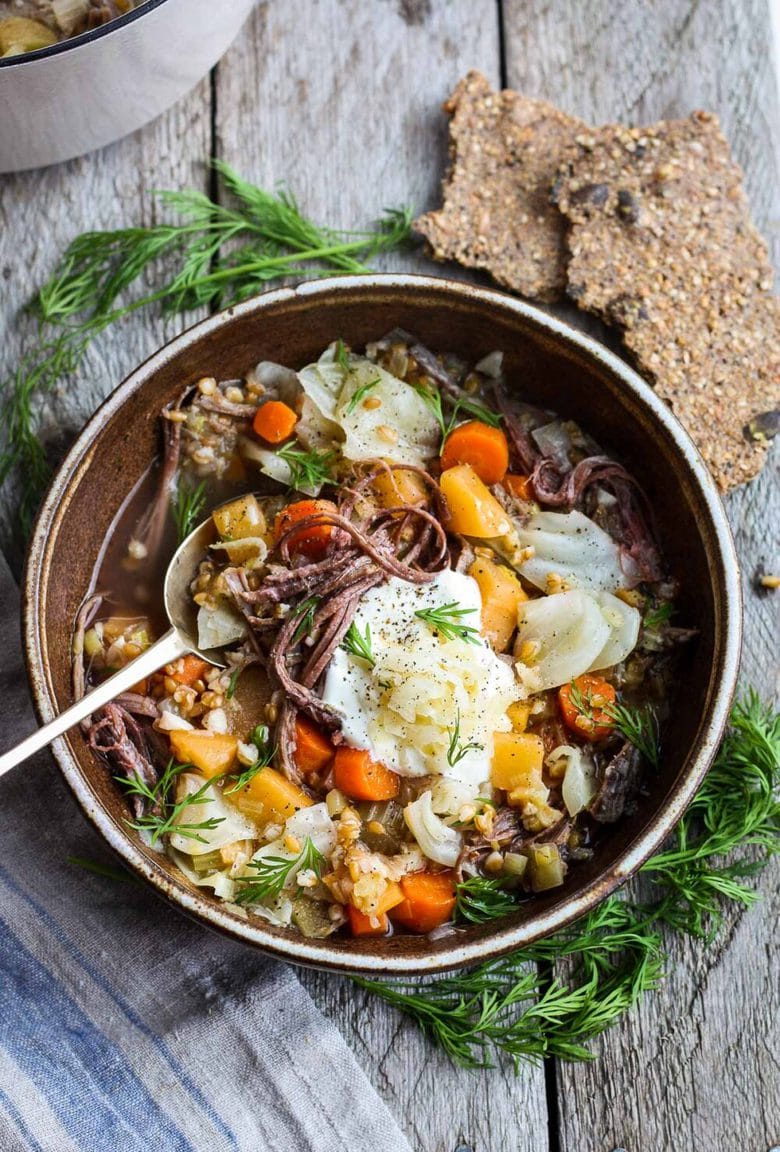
{"points": [[83, 38], [298, 949]]}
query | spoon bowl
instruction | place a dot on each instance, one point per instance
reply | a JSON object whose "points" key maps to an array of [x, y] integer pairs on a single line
{"points": [[180, 639]]}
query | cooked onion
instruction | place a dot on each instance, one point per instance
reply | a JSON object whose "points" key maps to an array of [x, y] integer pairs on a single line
{"points": [[438, 841], [558, 638]]}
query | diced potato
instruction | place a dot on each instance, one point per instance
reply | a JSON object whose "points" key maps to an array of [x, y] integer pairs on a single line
{"points": [[392, 895], [400, 487], [240, 518], [545, 867], [212, 753], [517, 761], [501, 594], [18, 34], [518, 713], [473, 509], [269, 798]]}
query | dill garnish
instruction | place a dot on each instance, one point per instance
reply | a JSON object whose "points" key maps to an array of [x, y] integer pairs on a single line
{"points": [[658, 615], [637, 724], [212, 255], [187, 504], [342, 356], [446, 619], [433, 400], [162, 815], [359, 395], [308, 470], [305, 610], [274, 871], [358, 645], [457, 750], [261, 738], [233, 682], [508, 1007], [483, 898]]}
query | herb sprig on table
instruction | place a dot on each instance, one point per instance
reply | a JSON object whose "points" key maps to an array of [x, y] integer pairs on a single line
{"points": [[212, 255], [517, 1007]]}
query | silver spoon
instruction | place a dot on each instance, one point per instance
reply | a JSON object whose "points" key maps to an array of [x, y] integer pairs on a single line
{"points": [[181, 638]]}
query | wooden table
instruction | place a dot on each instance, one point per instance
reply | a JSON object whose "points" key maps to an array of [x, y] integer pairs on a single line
{"points": [[340, 99]]}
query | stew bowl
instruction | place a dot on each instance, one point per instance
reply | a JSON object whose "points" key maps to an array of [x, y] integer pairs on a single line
{"points": [[557, 367]]}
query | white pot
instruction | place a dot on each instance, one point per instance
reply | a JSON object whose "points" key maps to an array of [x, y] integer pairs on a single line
{"points": [[66, 100]]}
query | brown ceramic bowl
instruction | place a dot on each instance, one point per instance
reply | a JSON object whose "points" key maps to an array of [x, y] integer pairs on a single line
{"points": [[556, 367]]}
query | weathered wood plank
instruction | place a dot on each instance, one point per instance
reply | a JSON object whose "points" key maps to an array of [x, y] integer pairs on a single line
{"points": [[40, 212], [342, 103], [696, 1065]]}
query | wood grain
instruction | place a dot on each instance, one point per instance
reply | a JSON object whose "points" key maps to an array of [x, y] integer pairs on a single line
{"points": [[41, 212], [696, 1066], [344, 107], [340, 100]]}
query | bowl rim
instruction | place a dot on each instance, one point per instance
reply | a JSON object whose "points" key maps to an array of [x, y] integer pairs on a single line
{"points": [[298, 949], [83, 38]]}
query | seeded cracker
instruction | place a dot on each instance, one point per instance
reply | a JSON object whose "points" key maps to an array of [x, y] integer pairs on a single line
{"points": [[662, 244], [504, 153]]}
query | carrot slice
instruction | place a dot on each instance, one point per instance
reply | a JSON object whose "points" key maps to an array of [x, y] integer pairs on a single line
{"points": [[361, 925], [310, 541], [192, 669], [313, 750], [519, 486], [479, 445], [274, 421], [361, 778], [429, 898], [582, 706]]}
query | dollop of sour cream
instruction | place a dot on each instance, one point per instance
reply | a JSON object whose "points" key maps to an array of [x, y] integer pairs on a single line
{"points": [[404, 710]]}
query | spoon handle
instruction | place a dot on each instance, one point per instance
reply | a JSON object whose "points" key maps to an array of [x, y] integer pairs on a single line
{"points": [[169, 647]]}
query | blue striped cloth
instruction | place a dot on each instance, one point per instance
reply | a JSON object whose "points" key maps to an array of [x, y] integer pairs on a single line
{"points": [[125, 1027]]}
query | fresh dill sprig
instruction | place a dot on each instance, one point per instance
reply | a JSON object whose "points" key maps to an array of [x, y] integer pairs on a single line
{"points": [[233, 682], [432, 398], [446, 619], [358, 645], [97, 281], [308, 470], [274, 871], [305, 610], [615, 954], [636, 723], [261, 738], [658, 615], [639, 725], [342, 356], [483, 898], [457, 749], [359, 395], [187, 504], [162, 815], [477, 410]]}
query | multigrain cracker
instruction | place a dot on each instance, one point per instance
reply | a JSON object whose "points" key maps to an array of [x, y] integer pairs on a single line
{"points": [[661, 243], [504, 152]]}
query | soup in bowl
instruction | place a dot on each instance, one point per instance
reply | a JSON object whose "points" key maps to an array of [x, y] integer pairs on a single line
{"points": [[473, 606]]}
